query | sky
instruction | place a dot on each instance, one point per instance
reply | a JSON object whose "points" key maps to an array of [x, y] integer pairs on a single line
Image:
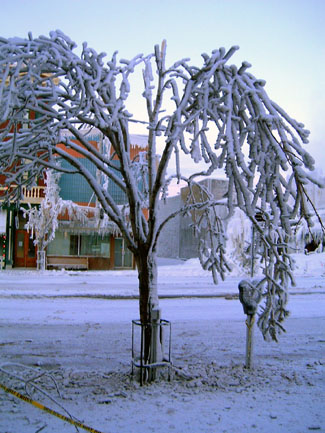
{"points": [[284, 40]]}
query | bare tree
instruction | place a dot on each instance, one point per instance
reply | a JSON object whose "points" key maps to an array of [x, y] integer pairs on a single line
{"points": [[215, 113]]}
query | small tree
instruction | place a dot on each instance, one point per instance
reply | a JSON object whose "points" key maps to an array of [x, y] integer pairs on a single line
{"points": [[42, 222], [211, 113]]}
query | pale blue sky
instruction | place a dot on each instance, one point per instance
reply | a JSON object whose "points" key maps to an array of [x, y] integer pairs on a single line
{"points": [[284, 40]]}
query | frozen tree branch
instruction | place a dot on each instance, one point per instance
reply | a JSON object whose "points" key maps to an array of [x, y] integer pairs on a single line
{"points": [[221, 115]]}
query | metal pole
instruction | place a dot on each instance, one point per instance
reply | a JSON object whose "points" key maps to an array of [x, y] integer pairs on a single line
{"points": [[141, 353], [169, 350], [132, 347], [252, 252], [249, 340]]}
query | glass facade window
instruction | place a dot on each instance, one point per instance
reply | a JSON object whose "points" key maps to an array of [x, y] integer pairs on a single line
{"points": [[67, 244], [122, 255], [94, 245], [74, 245], [60, 246], [74, 186]]}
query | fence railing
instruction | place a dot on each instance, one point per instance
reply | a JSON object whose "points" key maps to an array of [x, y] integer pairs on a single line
{"points": [[33, 195]]}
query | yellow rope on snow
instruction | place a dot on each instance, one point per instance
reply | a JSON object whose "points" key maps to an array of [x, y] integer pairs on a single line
{"points": [[48, 410]]}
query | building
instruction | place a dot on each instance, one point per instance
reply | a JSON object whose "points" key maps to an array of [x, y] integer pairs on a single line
{"points": [[177, 239], [18, 248], [94, 243]]}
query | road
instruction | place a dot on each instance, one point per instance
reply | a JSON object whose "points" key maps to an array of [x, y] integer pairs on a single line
{"points": [[86, 344]]}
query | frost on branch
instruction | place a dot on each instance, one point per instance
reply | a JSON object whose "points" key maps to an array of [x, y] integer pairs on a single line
{"points": [[215, 113], [208, 228], [42, 222]]}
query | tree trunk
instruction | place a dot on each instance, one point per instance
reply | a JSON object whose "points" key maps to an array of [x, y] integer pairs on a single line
{"points": [[41, 260], [149, 311], [147, 274]]}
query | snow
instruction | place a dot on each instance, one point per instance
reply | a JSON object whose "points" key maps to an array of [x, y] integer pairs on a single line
{"points": [[139, 140], [77, 327]]}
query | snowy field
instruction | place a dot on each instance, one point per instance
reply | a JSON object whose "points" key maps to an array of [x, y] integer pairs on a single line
{"points": [[76, 327]]}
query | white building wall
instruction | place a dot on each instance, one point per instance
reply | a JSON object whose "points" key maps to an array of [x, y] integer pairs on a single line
{"points": [[177, 239], [168, 244]]}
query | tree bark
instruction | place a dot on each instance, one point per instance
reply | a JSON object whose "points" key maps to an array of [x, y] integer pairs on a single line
{"points": [[147, 274], [41, 260], [149, 310]]}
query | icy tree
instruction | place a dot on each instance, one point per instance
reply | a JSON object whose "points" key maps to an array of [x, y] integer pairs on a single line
{"points": [[215, 113], [42, 221]]}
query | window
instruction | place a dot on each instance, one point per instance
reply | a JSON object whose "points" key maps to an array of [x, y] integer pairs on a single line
{"points": [[74, 186], [74, 245], [94, 245], [122, 256], [60, 246], [66, 244]]}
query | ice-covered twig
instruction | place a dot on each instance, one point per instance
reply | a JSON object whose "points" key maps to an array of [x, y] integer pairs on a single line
{"points": [[31, 382]]}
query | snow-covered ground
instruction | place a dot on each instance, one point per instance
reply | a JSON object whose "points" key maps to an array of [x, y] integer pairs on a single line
{"points": [[77, 327]]}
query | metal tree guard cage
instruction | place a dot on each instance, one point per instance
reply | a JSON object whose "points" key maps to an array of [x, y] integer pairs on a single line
{"points": [[138, 358]]}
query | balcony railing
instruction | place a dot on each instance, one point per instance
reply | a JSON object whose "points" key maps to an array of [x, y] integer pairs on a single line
{"points": [[33, 195]]}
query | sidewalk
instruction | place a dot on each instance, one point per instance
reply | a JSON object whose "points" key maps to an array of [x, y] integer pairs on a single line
{"points": [[173, 282]]}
